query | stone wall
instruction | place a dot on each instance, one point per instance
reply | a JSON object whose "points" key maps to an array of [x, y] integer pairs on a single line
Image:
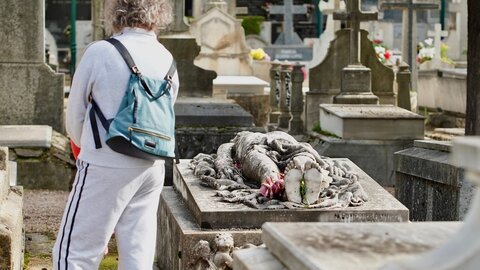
{"points": [[428, 183]]}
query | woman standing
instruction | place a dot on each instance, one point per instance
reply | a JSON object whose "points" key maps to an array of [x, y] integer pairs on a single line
{"points": [[112, 191]]}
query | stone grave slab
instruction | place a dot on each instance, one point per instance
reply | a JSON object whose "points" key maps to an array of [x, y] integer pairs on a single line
{"points": [[351, 246], [26, 136], [371, 122], [256, 258], [178, 232], [210, 212], [224, 85], [190, 111]]}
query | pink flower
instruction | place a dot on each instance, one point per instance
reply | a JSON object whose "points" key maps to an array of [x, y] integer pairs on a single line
{"points": [[387, 55], [271, 188]]}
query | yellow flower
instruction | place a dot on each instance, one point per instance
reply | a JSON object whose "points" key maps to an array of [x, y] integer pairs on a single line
{"points": [[258, 54]]}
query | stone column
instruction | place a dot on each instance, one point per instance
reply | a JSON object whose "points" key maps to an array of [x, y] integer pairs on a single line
{"points": [[98, 21], [285, 91], [296, 106], [404, 86], [275, 85]]}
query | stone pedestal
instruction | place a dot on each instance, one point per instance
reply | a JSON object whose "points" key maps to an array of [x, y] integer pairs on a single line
{"points": [[429, 184], [190, 212], [356, 87], [368, 135], [12, 242], [325, 78], [371, 122], [43, 156], [30, 92]]}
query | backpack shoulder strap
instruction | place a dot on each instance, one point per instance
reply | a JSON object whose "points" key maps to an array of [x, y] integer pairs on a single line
{"points": [[171, 71], [125, 54]]}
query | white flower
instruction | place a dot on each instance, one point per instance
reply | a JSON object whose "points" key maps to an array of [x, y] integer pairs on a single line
{"points": [[379, 50], [429, 42]]}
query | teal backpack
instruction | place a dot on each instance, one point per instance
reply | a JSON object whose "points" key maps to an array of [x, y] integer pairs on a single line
{"points": [[144, 125]]}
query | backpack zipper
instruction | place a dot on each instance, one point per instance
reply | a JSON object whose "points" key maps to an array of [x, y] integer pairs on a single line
{"points": [[151, 133]]}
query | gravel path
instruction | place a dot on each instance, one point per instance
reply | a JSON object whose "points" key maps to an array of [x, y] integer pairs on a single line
{"points": [[43, 210]]}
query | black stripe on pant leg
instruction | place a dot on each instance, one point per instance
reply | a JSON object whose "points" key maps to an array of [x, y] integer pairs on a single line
{"points": [[66, 217], [73, 218]]}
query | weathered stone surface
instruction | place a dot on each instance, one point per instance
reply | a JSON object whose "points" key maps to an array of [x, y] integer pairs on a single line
{"points": [[194, 81], [4, 181], [371, 122], [210, 212], [210, 112], [351, 246], [254, 259], [178, 233], [326, 77], [32, 94], [444, 89], [53, 169], [444, 146], [223, 45], [375, 157], [11, 230], [224, 85], [26, 136], [430, 185], [22, 32]]}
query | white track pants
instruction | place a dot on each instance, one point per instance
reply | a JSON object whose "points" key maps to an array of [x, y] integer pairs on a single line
{"points": [[104, 200]]}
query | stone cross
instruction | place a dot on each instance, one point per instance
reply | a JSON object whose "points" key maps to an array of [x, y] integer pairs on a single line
{"points": [[328, 8], [354, 16], [437, 39], [288, 35]]}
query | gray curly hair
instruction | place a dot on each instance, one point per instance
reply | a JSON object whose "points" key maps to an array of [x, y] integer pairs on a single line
{"points": [[147, 14]]}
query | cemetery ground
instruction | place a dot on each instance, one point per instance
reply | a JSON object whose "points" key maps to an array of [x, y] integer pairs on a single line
{"points": [[43, 211]]}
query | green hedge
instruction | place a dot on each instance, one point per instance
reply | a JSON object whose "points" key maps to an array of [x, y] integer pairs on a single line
{"points": [[252, 24]]}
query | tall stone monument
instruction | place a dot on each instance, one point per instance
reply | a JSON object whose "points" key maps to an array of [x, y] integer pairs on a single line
{"points": [[222, 40], [288, 45], [356, 78], [30, 91]]}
